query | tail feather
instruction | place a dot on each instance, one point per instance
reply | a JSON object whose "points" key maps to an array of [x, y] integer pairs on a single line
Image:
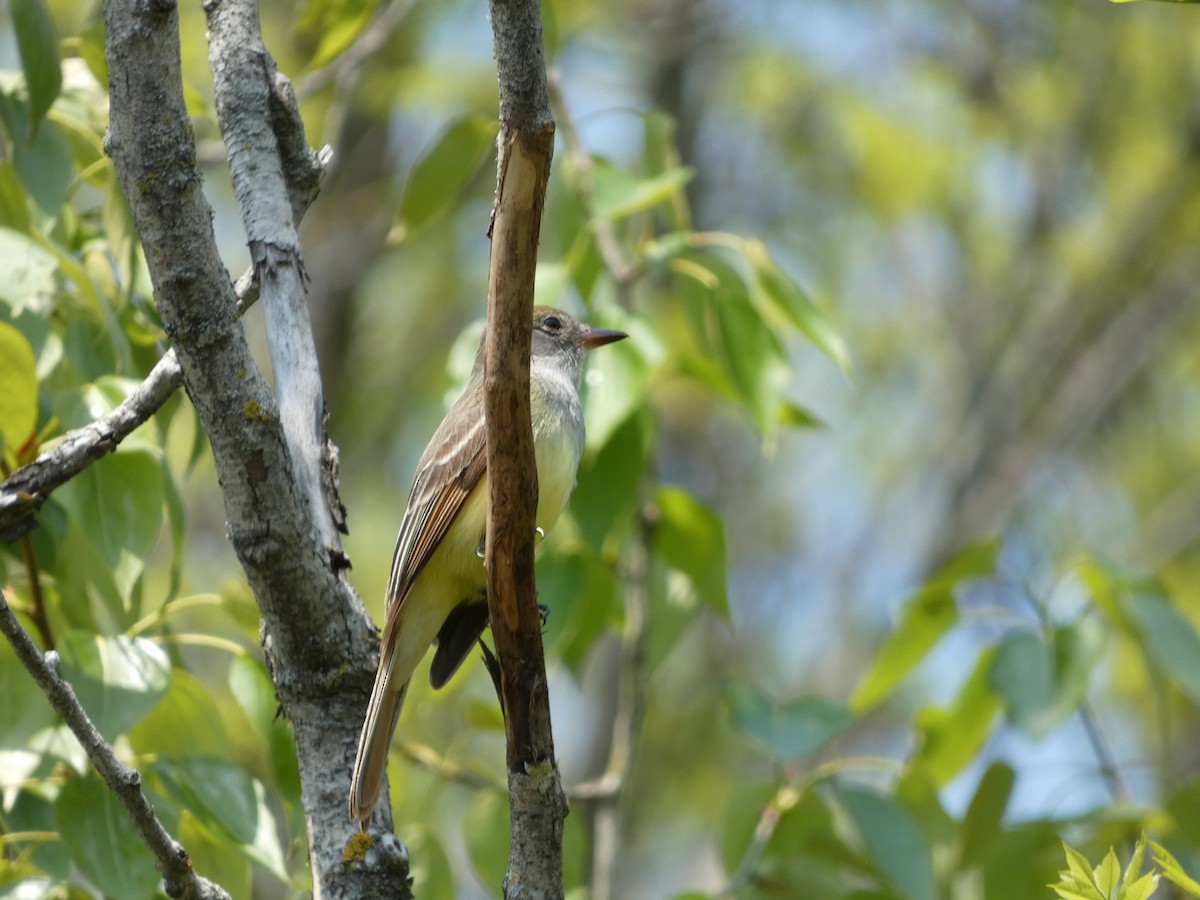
{"points": [[371, 762]]}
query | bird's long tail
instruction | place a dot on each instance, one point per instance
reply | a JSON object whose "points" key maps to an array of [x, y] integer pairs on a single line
{"points": [[371, 762]]}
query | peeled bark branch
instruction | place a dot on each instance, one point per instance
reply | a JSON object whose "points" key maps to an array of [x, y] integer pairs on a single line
{"points": [[537, 804]]}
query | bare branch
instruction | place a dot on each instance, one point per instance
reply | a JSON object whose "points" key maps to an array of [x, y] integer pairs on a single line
{"points": [[537, 806], [631, 672], [374, 36], [622, 271], [170, 856]]}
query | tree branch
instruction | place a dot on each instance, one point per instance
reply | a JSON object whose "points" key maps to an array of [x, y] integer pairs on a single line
{"points": [[26, 490], [318, 640], [537, 806], [170, 856], [605, 792], [245, 79], [387, 19]]}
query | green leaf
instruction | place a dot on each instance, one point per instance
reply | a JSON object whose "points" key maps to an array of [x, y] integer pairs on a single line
{"points": [[211, 857], [582, 594], [951, 737], [185, 721], [617, 377], [432, 876], [1173, 871], [38, 47], [228, 802], [793, 415], [753, 357], [924, 619], [894, 842], [1130, 883], [14, 207], [44, 166], [118, 504], [439, 176], [103, 841], [1171, 640], [616, 194], [485, 829], [1108, 873], [218, 793], [118, 680], [1044, 678], [607, 490], [690, 537], [789, 730], [776, 290], [18, 389], [26, 270], [255, 694], [986, 811]]}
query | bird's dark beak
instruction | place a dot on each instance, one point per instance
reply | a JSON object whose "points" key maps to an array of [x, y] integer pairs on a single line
{"points": [[598, 337]]}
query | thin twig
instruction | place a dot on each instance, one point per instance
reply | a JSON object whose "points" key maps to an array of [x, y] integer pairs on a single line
{"points": [[621, 270], [605, 792], [170, 856], [1109, 770], [37, 607], [374, 36]]}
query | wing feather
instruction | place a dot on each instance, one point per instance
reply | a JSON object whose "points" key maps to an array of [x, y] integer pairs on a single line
{"points": [[449, 470]]}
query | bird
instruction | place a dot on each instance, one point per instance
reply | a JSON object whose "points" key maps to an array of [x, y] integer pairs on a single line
{"points": [[437, 592]]}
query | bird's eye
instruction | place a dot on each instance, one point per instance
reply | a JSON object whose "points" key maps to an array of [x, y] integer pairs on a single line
{"points": [[552, 324]]}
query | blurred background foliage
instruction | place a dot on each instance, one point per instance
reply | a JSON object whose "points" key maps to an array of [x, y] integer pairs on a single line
{"points": [[879, 587]]}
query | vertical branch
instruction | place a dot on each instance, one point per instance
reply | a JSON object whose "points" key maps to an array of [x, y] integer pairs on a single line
{"points": [[244, 78], [526, 143], [318, 640]]}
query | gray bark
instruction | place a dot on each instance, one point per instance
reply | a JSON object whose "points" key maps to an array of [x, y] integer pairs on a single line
{"points": [[319, 641]]}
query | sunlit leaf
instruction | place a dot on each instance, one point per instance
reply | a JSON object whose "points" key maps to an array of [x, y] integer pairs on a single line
{"points": [[445, 169], [791, 304], [118, 504], [186, 721], [118, 680], [26, 270], [18, 389], [617, 194], [608, 483], [211, 857], [1173, 871], [952, 736], [924, 619], [691, 537]]}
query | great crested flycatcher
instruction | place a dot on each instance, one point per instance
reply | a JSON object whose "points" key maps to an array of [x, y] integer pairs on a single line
{"points": [[438, 587]]}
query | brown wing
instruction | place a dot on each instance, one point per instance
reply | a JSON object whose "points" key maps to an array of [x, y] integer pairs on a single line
{"points": [[448, 471]]}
